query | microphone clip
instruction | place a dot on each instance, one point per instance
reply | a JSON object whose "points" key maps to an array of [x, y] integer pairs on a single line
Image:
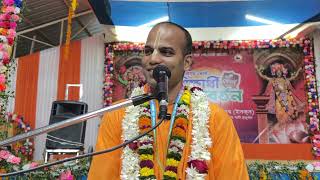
{"points": [[163, 109]]}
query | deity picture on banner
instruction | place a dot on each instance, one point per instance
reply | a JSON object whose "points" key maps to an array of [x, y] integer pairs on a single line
{"points": [[234, 80], [281, 70], [128, 75]]}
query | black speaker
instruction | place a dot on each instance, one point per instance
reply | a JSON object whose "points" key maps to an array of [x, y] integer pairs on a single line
{"points": [[71, 137]]}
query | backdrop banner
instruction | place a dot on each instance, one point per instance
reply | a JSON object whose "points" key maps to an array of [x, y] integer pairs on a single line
{"points": [[262, 90]]}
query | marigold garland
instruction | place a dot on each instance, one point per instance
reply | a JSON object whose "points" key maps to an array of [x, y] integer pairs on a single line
{"points": [[72, 8]]}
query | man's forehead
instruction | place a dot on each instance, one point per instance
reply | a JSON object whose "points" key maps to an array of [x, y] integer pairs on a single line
{"points": [[165, 36]]}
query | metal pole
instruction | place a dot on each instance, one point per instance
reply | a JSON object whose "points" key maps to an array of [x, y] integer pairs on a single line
{"points": [[15, 48], [53, 22], [36, 40], [32, 44], [63, 124], [83, 28], [61, 32]]}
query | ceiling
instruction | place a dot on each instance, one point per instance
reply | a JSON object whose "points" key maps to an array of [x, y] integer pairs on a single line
{"points": [[42, 19]]}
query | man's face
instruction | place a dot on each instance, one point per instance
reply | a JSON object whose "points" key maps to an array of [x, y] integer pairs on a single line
{"points": [[164, 46]]}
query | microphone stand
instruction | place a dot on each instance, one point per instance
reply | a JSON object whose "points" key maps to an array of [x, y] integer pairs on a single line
{"points": [[136, 100]]}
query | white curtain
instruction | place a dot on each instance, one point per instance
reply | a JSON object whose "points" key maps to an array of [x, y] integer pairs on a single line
{"points": [[46, 94], [91, 76]]}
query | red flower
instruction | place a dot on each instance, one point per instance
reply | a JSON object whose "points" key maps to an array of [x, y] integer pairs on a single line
{"points": [[5, 61], [201, 166], [2, 87], [133, 146]]}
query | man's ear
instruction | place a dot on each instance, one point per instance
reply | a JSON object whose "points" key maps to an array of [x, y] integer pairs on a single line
{"points": [[187, 62]]}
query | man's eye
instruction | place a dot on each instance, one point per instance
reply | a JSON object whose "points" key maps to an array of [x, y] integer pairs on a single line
{"points": [[166, 52], [148, 51]]}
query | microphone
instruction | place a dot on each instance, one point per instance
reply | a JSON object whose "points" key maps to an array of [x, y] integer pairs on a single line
{"points": [[162, 74]]}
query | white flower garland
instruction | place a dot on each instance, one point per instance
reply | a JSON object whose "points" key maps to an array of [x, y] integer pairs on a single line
{"points": [[130, 160], [201, 140]]}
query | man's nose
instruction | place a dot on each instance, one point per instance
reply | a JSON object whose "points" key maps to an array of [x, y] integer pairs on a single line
{"points": [[155, 57]]}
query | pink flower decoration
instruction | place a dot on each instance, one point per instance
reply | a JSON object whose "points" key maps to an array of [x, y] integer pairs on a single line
{"points": [[12, 32], [2, 24], [15, 17], [5, 55], [8, 2], [13, 25], [316, 164], [2, 17], [9, 9], [201, 166], [2, 78], [66, 175], [33, 165], [4, 154], [13, 159]]}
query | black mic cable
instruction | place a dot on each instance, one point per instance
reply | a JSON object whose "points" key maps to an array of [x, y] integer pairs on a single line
{"points": [[84, 155]]}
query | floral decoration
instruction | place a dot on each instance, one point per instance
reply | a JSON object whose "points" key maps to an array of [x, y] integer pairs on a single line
{"points": [[108, 80], [21, 151], [9, 17]]}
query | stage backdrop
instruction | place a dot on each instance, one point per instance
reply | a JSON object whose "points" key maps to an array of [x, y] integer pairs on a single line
{"points": [[237, 80]]}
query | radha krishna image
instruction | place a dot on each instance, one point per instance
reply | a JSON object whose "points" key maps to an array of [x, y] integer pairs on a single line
{"points": [[285, 108]]}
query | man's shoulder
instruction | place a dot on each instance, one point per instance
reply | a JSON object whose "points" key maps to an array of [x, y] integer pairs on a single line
{"points": [[219, 115], [216, 109]]}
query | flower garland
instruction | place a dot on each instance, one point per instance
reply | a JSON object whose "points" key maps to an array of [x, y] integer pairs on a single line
{"points": [[138, 157], [178, 136], [21, 151], [10, 15], [108, 69], [8, 161], [313, 106], [130, 160], [197, 166], [72, 8], [221, 44], [23, 148]]}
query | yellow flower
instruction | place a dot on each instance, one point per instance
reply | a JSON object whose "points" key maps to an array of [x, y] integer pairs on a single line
{"points": [[146, 104], [171, 174], [186, 97], [263, 175], [172, 162], [146, 171], [146, 157]]}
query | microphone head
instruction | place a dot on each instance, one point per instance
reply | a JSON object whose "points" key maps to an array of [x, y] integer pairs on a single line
{"points": [[159, 70]]}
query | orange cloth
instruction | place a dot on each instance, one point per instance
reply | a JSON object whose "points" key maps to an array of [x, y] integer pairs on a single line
{"points": [[227, 157]]}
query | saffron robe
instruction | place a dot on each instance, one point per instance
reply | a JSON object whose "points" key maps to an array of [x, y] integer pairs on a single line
{"points": [[227, 160]]}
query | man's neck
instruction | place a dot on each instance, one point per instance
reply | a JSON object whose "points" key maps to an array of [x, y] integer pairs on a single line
{"points": [[173, 92]]}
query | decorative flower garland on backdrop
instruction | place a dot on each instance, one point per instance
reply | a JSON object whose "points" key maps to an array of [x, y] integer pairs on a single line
{"points": [[313, 106], [138, 157], [108, 80]]}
